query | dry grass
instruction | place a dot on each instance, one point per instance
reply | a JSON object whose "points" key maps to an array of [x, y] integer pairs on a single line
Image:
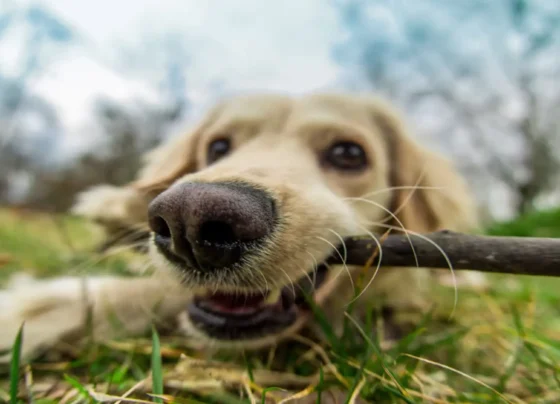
{"points": [[503, 346]]}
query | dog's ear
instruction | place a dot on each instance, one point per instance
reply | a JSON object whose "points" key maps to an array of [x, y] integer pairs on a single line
{"points": [[430, 194]]}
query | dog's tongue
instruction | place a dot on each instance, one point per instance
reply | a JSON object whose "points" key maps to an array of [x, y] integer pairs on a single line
{"points": [[235, 303]]}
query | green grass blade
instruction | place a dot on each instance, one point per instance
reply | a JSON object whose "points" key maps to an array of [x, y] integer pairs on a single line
{"points": [[375, 347], [249, 367], [319, 386], [263, 397], [359, 374], [81, 389], [157, 373], [323, 322], [14, 366]]}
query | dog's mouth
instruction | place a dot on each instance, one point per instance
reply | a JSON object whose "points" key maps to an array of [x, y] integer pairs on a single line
{"points": [[231, 316]]}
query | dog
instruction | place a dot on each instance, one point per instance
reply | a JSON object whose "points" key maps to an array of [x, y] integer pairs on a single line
{"points": [[243, 212]]}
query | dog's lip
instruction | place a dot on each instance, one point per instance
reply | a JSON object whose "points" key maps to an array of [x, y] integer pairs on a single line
{"points": [[225, 315], [258, 319]]}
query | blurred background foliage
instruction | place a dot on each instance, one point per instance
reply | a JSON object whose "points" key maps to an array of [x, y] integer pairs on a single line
{"points": [[544, 223]]}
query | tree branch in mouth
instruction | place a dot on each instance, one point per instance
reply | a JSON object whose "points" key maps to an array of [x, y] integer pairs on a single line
{"points": [[506, 255]]}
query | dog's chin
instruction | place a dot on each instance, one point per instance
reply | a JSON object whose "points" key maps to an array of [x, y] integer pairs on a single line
{"points": [[230, 317]]}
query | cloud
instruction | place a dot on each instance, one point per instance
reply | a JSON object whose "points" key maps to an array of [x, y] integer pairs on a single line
{"points": [[248, 44]]}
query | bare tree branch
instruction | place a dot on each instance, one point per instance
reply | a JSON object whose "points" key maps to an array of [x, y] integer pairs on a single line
{"points": [[506, 255]]}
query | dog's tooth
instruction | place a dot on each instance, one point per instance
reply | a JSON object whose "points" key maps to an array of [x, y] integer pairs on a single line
{"points": [[272, 297]]}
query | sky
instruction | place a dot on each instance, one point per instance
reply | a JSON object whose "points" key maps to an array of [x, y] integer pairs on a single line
{"points": [[249, 44]]}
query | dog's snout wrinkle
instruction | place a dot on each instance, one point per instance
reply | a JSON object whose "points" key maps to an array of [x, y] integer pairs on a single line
{"points": [[211, 225]]}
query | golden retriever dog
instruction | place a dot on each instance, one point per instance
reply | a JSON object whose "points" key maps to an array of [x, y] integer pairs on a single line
{"points": [[243, 212]]}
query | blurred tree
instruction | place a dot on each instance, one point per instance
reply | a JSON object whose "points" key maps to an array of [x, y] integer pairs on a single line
{"points": [[31, 134], [28, 124], [161, 59], [128, 132], [487, 71]]}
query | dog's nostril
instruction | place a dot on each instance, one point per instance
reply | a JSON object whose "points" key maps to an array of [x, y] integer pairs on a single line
{"points": [[160, 227], [216, 232]]}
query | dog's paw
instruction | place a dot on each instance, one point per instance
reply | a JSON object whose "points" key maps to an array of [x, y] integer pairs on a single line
{"points": [[473, 280], [47, 309], [69, 309], [111, 205]]}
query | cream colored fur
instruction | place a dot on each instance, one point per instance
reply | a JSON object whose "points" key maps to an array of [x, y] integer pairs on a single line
{"points": [[276, 140]]}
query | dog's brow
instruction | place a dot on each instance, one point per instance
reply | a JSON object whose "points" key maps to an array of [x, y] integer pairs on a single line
{"points": [[240, 121], [331, 126]]}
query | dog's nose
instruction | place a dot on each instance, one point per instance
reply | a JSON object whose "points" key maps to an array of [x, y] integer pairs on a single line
{"points": [[211, 225]]}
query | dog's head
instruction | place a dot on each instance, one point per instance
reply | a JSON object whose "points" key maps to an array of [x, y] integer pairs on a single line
{"points": [[247, 207]]}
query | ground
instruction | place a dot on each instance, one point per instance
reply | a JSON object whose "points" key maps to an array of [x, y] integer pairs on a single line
{"points": [[501, 346]]}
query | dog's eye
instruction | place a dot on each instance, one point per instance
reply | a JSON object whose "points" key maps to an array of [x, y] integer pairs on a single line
{"points": [[217, 149], [346, 156]]}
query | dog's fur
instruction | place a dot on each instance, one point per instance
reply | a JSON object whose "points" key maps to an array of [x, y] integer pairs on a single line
{"points": [[276, 141]]}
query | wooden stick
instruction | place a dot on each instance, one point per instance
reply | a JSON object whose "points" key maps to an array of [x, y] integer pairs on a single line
{"points": [[506, 255]]}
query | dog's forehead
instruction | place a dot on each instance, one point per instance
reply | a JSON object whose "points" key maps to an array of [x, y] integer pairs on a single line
{"points": [[338, 112], [254, 107], [316, 107]]}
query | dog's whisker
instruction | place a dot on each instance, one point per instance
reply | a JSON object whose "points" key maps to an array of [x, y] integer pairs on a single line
{"points": [[95, 260], [140, 228], [342, 243], [132, 232], [220, 280], [380, 249], [342, 259], [315, 267], [135, 229], [306, 274], [400, 188], [123, 248], [290, 281], [409, 196], [266, 286], [394, 216], [414, 188], [450, 266], [446, 257]]}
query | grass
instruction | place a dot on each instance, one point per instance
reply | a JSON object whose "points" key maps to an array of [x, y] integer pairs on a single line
{"points": [[14, 366], [535, 224], [502, 345], [45, 245], [157, 372]]}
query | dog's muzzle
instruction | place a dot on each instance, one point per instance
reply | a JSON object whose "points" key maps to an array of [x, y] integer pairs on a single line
{"points": [[206, 230]]}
